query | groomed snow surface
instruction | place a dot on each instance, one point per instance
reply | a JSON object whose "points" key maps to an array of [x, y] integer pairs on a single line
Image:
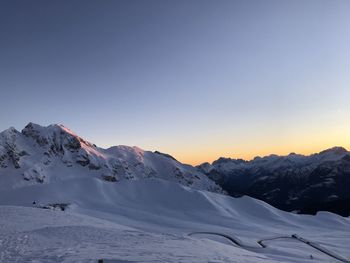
{"points": [[151, 220]]}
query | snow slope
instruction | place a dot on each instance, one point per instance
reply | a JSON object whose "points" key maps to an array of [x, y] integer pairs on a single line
{"points": [[124, 204], [149, 220]]}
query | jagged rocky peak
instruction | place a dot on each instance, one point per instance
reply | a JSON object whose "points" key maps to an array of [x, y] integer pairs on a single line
{"points": [[33, 130], [10, 130], [9, 135], [55, 136]]}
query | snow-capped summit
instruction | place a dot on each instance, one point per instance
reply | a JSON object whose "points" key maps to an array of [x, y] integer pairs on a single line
{"points": [[127, 204], [41, 154], [54, 135]]}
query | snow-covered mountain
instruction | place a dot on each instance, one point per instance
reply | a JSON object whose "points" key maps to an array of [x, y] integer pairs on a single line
{"points": [[38, 155], [305, 184], [63, 199]]}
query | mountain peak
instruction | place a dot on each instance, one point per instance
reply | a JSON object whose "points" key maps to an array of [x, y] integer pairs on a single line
{"points": [[335, 150], [39, 154], [53, 135], [50, 128], [31, 126], [10, 130]]}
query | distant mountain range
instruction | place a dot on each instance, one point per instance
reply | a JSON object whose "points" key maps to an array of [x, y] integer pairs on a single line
{"points": [[298, 183]]}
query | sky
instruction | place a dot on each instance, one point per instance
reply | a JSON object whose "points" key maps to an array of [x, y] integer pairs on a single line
{"points": [[195, 79]]}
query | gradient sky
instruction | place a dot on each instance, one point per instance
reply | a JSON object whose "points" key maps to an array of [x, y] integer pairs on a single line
{"points": [[196, 79]]}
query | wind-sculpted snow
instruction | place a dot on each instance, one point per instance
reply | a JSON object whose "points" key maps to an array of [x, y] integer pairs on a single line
{"points": [[151, 220], [42, 154], [304, 184]]}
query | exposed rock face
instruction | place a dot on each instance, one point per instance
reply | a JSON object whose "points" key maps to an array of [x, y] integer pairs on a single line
{"points": [[39, 154], [304, 184], [9, 154], [55, 138]]}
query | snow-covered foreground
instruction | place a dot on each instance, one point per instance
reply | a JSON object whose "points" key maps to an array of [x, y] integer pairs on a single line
{"points": [[149, 220]]}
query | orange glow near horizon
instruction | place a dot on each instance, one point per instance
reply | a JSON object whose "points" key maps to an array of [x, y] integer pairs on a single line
{"points": [[196, 153], [305, 135], [199, 158]]}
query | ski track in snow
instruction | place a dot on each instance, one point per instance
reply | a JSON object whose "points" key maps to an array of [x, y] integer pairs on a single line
{"points": [[129, 205], [88, 243], [150, 220]]}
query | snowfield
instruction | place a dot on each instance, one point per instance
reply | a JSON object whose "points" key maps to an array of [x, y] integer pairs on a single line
{"points": [[151, 220], [63, 199]]}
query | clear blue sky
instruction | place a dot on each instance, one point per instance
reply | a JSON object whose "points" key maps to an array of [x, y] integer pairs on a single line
{"points": [[196, 79]]}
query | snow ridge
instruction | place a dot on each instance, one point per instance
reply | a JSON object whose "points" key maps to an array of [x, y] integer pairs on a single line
{"points": [[41, 154]]}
